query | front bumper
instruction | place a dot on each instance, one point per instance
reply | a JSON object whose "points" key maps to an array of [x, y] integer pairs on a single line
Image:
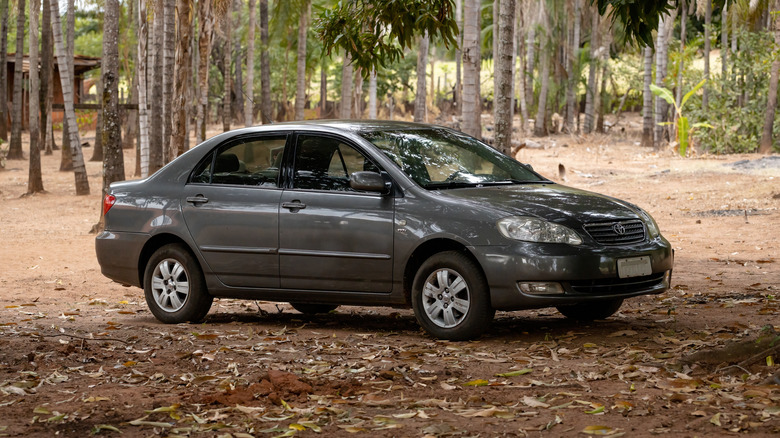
{"points": [[584, 273]]}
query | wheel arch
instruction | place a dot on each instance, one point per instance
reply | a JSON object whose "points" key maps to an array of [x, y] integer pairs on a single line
{"points": [[424, 251], [153, 244]]}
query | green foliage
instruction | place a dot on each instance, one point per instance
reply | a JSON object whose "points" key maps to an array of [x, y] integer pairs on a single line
{"points": [[376, 32], [684, 127], [639, 17], [737, 103]]}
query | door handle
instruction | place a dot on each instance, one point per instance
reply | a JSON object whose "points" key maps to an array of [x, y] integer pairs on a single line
{"points": [[197, 200], [295, 205]]}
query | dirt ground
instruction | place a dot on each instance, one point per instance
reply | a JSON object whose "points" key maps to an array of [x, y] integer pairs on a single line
{"points": [[80, 354]]}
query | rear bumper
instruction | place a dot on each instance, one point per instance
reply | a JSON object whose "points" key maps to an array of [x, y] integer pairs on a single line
{"points": [[118, 254], [584, 274]]}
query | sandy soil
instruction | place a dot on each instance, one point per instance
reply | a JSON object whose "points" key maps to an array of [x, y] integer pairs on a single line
{"points": [[80, 354]]}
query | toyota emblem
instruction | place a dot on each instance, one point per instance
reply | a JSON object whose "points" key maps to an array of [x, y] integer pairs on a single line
{"points": [[619, 229]]}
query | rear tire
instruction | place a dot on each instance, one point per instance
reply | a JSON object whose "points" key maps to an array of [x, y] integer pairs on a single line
{"points": [[313, 309], [451, 298], [592, 310], [174, 286]]}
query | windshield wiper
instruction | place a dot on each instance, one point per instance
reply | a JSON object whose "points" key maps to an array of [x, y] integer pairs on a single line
{"points": [[451, 185]]}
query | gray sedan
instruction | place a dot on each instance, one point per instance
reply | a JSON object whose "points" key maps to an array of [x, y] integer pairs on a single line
{"points": [[375, 214]]}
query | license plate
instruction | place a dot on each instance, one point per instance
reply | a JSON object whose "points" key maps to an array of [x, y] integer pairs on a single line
{"points": [[634, 267]]}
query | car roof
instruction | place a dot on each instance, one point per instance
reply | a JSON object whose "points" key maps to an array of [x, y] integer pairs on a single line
{"points": [[346, 125]]}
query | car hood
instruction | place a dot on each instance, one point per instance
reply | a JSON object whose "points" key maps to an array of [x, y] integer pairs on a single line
{"points": [[552, 202]]}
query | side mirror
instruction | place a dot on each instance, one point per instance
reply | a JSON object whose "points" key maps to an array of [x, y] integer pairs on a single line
{"points": [[528, 166], [368, 182]]}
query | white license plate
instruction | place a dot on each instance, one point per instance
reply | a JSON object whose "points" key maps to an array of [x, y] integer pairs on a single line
{"points": [[634, 267]]}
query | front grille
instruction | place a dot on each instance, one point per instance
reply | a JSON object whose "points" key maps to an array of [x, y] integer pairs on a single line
{"points": [[606, 286], [617, 232]]}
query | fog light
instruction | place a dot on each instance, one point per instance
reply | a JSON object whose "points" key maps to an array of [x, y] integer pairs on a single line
{"points": [[539, 288]]}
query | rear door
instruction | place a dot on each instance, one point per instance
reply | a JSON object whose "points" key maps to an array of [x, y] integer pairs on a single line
{"points": [[231, 206], [332, 237]]}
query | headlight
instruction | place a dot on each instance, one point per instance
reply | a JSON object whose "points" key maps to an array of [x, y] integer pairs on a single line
{"points": [[652, 227], [531, 229]]}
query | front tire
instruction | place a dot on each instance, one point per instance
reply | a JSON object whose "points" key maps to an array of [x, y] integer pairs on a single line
{"points": [[591, 310], [451, 298], [174, 286]]}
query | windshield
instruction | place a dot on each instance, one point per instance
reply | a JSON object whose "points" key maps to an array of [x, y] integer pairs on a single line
{"points": [[440, 158]]}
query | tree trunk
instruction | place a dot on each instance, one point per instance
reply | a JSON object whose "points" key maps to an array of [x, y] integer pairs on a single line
{"points": [[113, 158], [660, 73], [207, 17], [420, 93], [169, 60], [131, 120], [724, 43], [705, 98], [681, 66], [300, 81], [472, 101], [521, 75], [647, 99], [571, 90], [143, 115], [540, 123], [4, 71], [530, 47], [183, 77], [34, 180], [97, 149], [324, 87], [15, 147], [601, 101], [346, 88], [47, 57], [590, 96], [357, 92], [771, 104], [226, 77], [456, 94], [502, 103], [372, 103], [66, 162], [250, 67], [66, 81], [266, 112], [238, 81], [496, 9]]}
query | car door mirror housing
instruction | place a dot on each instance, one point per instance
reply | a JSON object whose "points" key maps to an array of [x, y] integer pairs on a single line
{"points": [[368, 182]]}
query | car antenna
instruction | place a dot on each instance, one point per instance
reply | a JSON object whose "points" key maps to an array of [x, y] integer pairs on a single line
{"points": [[263, 115]]}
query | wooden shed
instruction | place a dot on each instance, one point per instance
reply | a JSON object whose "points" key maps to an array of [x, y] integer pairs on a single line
{"points": [[81, 65]]}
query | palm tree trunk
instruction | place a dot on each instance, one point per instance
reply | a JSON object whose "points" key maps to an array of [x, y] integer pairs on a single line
{"points": [[540, 123], [502, 106], [521, 75], [131, 120], [169, 60], [15, 147], [372, 102], [183, 76], [590, 96], [346, 88], [420, 93], [143, 115], [705, 98], [66, 81], [46, 56], [647, 99], [265, 67], [34, 180], [771, 105], [496, 9], [66, 162], [724, 43], [573, 61], [660, 73], [97, 150], [357, 93], [226, 76], [472, 102], [530, 47], [324, 87], [300, 82], [681, 67], [207, 16], [4, 71], [456, 95], [250, 67], [113, 158]]}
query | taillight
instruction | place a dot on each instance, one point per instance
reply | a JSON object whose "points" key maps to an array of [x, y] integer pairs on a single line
{"points": [[108, 202]]}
